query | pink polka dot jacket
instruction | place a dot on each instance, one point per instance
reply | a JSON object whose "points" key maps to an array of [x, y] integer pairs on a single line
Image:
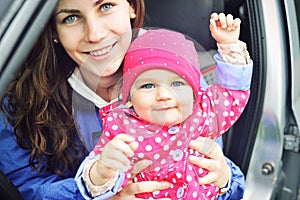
{"points": [[168, 148], [215, 110]]}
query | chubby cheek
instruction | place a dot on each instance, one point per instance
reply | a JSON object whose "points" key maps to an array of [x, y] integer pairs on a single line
{"points": [[143, 112], [187, 110], [186, 105], [143, 105]]}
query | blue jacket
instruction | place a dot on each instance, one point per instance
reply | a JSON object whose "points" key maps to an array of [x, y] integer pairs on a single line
{"points": [[14, 161]]}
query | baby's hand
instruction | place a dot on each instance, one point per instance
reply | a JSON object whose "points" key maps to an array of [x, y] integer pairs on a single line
{"points": [[115, 155], [224, 29]]}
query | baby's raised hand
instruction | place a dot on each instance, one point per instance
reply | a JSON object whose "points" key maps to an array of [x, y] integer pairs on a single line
{"points": [[224, 29]]}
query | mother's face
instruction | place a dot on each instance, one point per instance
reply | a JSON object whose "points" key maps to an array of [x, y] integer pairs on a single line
{"points": [[95, 33]]}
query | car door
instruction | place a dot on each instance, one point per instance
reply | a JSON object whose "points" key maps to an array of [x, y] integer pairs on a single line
{"points": [[21, 22], [273, 171]]}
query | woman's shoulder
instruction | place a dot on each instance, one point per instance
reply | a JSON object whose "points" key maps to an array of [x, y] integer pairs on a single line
{"points": [[9, 149], [5, 126]]}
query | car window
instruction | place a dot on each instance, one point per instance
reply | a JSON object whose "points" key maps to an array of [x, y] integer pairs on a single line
{"points": [[8, 10], [21, 23], [4, 5]]}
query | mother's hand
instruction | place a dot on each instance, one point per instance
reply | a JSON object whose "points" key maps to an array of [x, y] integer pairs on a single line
{"points": [[218, 170], [131, 188]]}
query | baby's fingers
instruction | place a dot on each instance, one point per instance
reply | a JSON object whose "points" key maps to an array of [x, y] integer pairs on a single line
{"points": [[229, 22], [214, 16], [140, 166], [116, 153], [222, 20], [213, 26], [124, 143], [236, 23], [114, 158]]}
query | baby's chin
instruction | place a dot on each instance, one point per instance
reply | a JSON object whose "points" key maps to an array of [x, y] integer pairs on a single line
{"points": [[167, 123]]}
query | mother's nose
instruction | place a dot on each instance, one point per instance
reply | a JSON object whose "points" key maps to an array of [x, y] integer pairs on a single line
{"points": [[95, 30]]}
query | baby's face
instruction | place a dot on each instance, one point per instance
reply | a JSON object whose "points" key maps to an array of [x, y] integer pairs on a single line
{"points": [[162, 97]]}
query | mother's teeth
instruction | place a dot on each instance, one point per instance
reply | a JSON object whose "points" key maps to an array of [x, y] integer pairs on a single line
{"points": [[101, 51]]}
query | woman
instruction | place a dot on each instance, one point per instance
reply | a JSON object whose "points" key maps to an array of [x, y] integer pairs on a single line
{"points": [[37, 125]]}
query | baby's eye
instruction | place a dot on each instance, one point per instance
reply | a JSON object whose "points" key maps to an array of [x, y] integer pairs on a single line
{"points": [[70, 19], [148, 86], [105, 7], [177, 84]]}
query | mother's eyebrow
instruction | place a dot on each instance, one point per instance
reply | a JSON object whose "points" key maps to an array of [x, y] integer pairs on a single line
{"points": [[67, 11], [64, 10]]}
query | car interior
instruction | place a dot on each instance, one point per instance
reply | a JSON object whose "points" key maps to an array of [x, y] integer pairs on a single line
{"points": [[191, 19]]}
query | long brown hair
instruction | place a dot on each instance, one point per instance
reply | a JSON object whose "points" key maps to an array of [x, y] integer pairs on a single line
{"points": [[38, 103]]}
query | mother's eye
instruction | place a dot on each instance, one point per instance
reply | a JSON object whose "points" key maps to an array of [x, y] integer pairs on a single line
{"points": [[70, 19], [105, 7]]}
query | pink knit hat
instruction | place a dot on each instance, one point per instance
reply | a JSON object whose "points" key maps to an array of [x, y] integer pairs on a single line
{"points": [[161, 49]]}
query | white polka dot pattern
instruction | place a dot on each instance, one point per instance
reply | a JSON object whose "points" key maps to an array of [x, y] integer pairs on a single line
{"points": [[167, 147]]}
